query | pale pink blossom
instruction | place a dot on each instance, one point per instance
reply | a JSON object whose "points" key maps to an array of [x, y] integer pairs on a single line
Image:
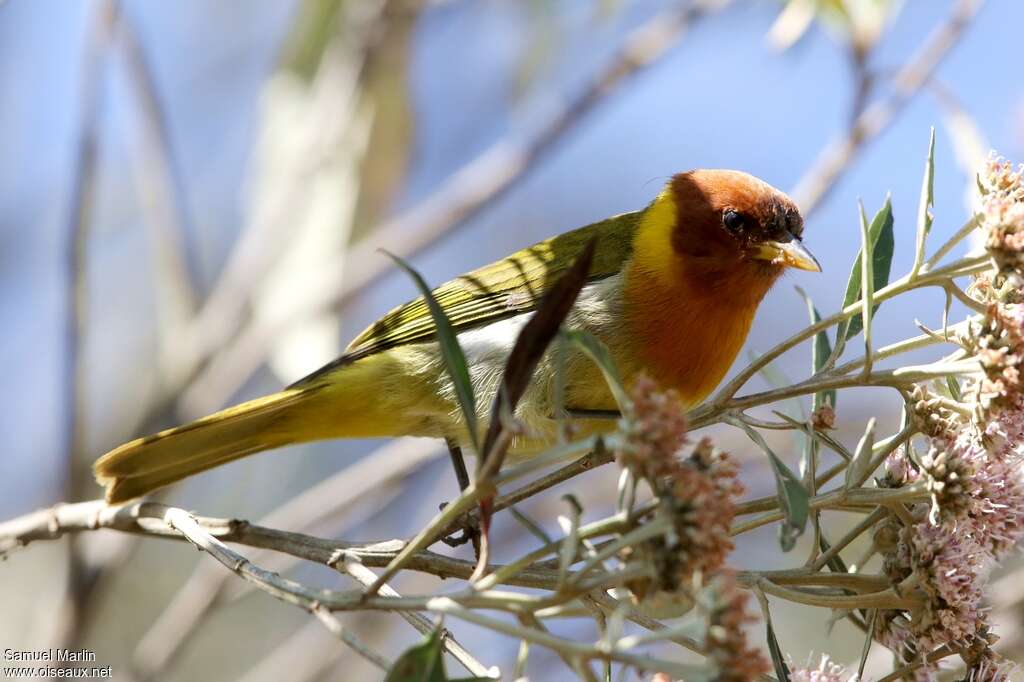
{"points": [[654, 430], [726, 639], [825, 671]]}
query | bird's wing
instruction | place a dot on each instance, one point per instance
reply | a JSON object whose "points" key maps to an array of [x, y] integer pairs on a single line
{"points": [[503, 289]]}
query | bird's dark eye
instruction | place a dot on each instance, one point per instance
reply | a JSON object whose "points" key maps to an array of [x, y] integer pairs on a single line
{"points": [[733, 220]]}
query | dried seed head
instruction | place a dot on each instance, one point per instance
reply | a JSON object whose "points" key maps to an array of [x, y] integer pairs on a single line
{"points": [[949, 480], [998, 343], [824, 417], [655, 431], [1002, 212], [726, 640], [931, 416]]}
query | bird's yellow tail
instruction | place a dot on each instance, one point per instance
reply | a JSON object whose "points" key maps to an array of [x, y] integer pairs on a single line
{"points": [[369, 398], [146, 464]]}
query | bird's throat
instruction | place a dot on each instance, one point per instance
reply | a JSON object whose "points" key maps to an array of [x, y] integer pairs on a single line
{"points": [[689, 327]]}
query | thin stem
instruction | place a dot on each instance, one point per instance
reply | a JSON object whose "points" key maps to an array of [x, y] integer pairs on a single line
{"points": [[961, 234], [865, 525], [964, 266], [349, 565], [886, 599], [432, 530], [286, 590], [853, 500]]}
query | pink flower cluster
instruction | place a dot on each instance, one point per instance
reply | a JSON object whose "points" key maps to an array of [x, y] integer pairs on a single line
{"points": [[726, 640], [825, 671], [655, 431], [1002, 212], [698, 491], [998, 343], [975, 518], [972, 468]]}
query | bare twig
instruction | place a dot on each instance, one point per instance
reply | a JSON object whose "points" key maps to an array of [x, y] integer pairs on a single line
{"points": [[467, 192], [285, 590], [145, 518], [162, 190], [79, 578], [333, 101], [351, 566], [838, 156], [181, 618]]}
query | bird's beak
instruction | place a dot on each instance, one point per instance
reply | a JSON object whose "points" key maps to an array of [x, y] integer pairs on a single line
{"points": [[792, 254]]}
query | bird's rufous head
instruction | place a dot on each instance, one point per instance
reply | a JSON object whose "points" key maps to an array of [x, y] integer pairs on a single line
{"points": [[729, 217]]}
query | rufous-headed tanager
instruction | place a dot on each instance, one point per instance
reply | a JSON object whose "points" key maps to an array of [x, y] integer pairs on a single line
{"points": [[671, 291]]}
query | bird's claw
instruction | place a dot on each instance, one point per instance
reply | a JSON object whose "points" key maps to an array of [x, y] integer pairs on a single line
{"points": [[467, 530]]}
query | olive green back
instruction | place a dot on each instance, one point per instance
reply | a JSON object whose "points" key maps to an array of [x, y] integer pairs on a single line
{"points": [[503, 289]]}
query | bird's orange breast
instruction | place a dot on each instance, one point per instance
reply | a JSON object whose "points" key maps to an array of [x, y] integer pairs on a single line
{"points": [[687, 317], [688, 335]]}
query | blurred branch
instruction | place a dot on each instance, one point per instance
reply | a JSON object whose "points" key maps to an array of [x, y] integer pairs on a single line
{"points": [[298, 658], [351, 566], [333, 95], [162, 190], [210, 534], [836, 159], [147, 518], [182, 522], [467, 193], [80, 579], [181, 619]]}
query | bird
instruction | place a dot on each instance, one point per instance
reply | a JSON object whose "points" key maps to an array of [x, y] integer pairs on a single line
{"points": [[672, 291]]}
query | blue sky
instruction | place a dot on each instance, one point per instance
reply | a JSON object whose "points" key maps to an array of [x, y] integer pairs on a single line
{"points": [[721, 99]]}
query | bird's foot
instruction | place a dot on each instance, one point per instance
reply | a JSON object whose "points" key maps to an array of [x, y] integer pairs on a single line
{"points": [[467, 529]]}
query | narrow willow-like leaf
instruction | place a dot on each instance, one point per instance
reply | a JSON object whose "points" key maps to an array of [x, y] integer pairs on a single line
{"points": [[778, 658], [857, 469], [571, 542], [420, 663], [924, 210], [867, 289], [776, 378], [795, 502], [836, 563], [424, 662], [883, 244], [821, 350], [599, 353], [954, 387], [451, 352], [868, 638], [793, 497], [534, 340]]}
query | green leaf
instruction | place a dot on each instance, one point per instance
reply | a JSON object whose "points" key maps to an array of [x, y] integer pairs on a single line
{"points": [[857, 470], [424, 662], [599, 353], [793, 496], [533, 341], [954, 387], [924, 210], [420, 663], [776, 378], [795, 502], [883, 243], [820, 352], [778, 659], [451, 352], [836, 563]]}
